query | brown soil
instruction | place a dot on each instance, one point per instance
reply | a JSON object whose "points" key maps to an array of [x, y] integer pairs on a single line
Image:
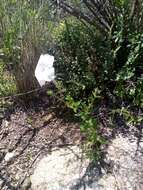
{"points": [[30, 134]]}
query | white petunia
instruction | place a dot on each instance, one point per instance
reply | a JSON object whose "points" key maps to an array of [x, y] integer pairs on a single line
{"points": [[45, 71]]}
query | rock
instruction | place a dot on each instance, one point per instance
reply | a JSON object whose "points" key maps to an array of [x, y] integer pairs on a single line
{"points": [[69, 169], [26, 184], [8, 157], [6, 123], [128, 160], [64, 169]]}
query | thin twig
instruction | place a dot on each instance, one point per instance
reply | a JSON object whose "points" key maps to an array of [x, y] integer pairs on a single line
{"points": [[117, 181], [20, 94]]}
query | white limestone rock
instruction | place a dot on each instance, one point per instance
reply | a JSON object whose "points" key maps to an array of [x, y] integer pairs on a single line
{"points": [[62, 170], [69, 169], [9, 156]]}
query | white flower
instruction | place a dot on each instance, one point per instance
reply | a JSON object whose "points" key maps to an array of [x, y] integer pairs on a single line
{"points": [[45, 71]]}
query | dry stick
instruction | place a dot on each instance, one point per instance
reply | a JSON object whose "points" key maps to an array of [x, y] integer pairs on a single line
{"points": [[20, 94], [26, 174], [116, 180], [25, 93]]}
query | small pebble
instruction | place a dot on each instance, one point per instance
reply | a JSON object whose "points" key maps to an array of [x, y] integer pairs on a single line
{"points": [[6, 123], [8, 157]]}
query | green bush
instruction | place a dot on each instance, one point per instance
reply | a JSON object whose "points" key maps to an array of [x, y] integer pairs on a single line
{"points": [[111, 64], [78, 64], [129, 78], [7, 83], [89, 123]]}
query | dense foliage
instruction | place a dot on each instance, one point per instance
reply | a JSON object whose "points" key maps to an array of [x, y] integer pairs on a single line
{"points": [[101, 67]]}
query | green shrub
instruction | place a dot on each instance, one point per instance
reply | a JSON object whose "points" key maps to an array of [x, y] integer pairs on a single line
{"points": [[111, 64], [129, 79], [89, 123], [7, 83], [78, 65]]}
